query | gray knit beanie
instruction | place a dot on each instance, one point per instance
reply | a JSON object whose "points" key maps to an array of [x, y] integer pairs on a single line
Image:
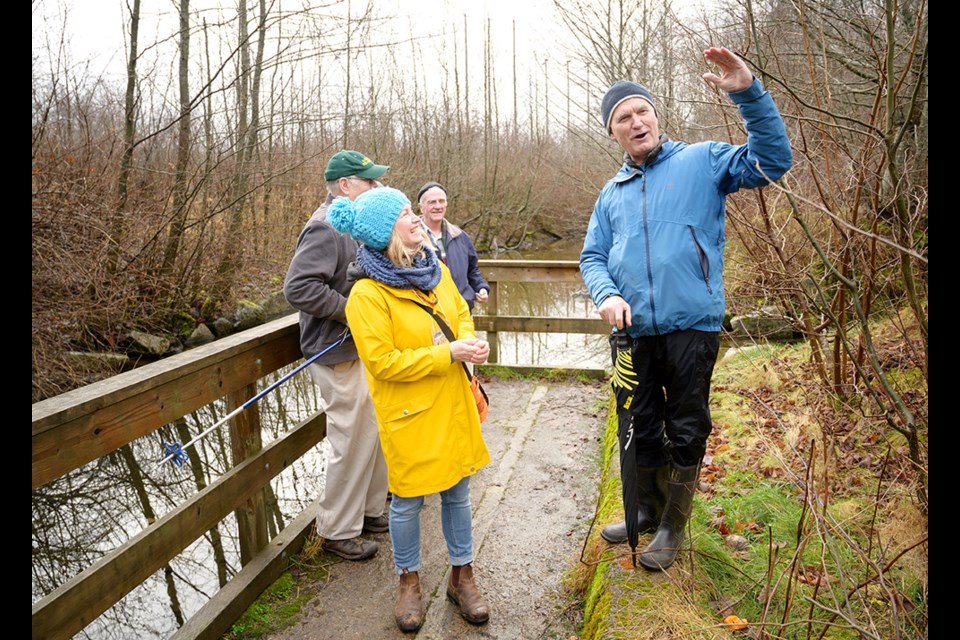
{"points": [[369, 218], [428, 186], [618, 92]]}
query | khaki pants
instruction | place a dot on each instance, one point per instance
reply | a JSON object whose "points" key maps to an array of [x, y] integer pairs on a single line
{"points": [[356, 484]]}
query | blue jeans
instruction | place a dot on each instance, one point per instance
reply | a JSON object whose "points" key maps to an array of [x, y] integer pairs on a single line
{"points": [[455, 516]]}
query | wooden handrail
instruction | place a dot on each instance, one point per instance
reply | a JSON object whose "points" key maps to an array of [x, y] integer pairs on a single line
{"points": [[82, 425], [544, 271], [72, 606], [74, 428]]}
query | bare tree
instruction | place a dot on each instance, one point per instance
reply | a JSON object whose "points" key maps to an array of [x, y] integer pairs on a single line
{"points": [[129, 130], [183, 147]]}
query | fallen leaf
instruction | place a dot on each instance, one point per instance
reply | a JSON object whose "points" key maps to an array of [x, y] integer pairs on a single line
{"points": [[762, 596], [737, 543], [718, 523], [735, 622]]}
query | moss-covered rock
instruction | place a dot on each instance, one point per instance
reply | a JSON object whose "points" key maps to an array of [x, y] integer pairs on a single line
{"points": [[249, 314]]}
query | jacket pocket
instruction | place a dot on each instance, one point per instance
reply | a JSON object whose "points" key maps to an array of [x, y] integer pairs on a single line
{"points": [[399, 413], [704, 261]]}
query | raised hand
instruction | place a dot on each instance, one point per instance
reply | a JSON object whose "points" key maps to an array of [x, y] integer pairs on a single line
{"points": [[735, 75]]}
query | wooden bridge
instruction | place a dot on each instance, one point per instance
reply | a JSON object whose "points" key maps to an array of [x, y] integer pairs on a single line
{"points": [[81, 426]]}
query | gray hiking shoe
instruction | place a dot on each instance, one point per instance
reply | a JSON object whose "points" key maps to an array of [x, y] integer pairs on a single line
{"points": [[352, 548], [379, 524]]}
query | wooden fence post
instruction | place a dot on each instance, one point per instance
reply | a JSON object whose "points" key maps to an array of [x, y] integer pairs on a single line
{"points": [[245, 440], [491, 309]]}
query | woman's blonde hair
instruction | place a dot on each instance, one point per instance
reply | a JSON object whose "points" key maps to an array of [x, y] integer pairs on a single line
{"points": [[401, 255]]}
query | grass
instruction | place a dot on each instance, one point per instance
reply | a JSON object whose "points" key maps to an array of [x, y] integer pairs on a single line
{"points": [[521, 372], [281, 603], [805, 523], [275, 608]]}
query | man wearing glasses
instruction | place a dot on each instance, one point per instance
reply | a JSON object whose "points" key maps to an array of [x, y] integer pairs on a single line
{"points": [[355, 491]]}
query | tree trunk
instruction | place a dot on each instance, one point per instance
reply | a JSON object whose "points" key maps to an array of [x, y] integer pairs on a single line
{"points": [[180, 206], [129, 131]]}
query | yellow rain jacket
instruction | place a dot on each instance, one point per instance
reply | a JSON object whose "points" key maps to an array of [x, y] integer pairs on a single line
{"points": [[428, 421]]}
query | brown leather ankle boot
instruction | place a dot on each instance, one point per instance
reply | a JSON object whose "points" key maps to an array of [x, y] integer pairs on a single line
{"points": [[462, 591], [409, 608]]}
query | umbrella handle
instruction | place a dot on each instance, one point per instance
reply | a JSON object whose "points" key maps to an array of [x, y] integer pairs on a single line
{"points": [[624, 342]]}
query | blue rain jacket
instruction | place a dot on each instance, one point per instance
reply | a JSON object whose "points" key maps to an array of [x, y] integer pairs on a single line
{"points": [[656, 235]]}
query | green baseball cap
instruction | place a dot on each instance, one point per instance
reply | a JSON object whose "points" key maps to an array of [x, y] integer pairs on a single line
{"points": [[353, 163]]}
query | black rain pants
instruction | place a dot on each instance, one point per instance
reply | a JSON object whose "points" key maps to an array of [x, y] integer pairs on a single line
{"points": [[671, 406]]}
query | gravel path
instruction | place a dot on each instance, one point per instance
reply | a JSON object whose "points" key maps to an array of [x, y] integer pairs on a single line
{"points": [[533, 506]]}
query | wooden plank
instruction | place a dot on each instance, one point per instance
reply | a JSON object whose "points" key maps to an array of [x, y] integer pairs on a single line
{"points": [[75, 428], [524, 264], [491, 308], [245, 441], [506, 273], [217, 615], [531, 270], [76, 603], [526, 324], [67, 406]]}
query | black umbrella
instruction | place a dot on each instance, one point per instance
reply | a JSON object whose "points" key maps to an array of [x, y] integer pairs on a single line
{"points": [[624, 382]]}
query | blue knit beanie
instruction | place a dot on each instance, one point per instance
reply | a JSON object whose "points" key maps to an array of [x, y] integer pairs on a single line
{"points": [[618, 92], [369, 218]]}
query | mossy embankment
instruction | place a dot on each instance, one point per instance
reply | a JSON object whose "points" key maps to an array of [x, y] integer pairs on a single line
{"points": [[805, 523]]}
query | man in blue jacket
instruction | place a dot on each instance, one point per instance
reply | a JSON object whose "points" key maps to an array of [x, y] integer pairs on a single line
{"points": [[652, 261]]}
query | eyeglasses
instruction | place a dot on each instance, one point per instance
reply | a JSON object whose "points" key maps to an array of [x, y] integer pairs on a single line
{"points": [[367, 180]]}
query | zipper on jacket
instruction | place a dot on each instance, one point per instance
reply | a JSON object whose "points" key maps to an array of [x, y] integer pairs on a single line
{"points": [[704, 263], [646, 240]]}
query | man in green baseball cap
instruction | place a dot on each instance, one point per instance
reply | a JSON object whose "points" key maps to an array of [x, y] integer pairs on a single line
{"points": [[355, 491], [353, 163]]}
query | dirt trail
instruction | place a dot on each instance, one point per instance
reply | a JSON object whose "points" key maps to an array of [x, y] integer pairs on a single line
{"points": [[533, 506]]}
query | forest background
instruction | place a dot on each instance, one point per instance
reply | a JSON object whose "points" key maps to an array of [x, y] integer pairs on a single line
{"points": [[181, 187], [166, 193], [173, 191]]}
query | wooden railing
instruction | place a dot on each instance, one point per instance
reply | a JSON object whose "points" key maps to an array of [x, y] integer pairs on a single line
{"points": [[78, 427], [544, 271]]}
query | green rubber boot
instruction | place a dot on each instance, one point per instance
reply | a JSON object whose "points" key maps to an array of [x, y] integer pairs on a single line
{"points": [[653, 496], [662, 550]]}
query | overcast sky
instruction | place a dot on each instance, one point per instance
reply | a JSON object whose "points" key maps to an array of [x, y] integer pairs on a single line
{"points": [[95, 32], [95, 28]]}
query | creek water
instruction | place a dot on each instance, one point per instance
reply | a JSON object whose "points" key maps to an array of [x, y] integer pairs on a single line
{"points": [[81, 517], [557, 300]]}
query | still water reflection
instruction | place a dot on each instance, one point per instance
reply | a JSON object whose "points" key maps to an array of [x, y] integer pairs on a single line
{"points": [[556, 300], [79, 518]]}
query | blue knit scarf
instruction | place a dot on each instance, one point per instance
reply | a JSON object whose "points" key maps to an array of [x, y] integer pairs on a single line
{"points": [[423, 275]]}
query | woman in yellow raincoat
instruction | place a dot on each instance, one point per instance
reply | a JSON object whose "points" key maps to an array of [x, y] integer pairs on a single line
{"points": [[428, 421]]}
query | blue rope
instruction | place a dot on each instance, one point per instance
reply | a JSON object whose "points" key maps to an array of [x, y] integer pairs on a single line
{"points": [[174, 449]]}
